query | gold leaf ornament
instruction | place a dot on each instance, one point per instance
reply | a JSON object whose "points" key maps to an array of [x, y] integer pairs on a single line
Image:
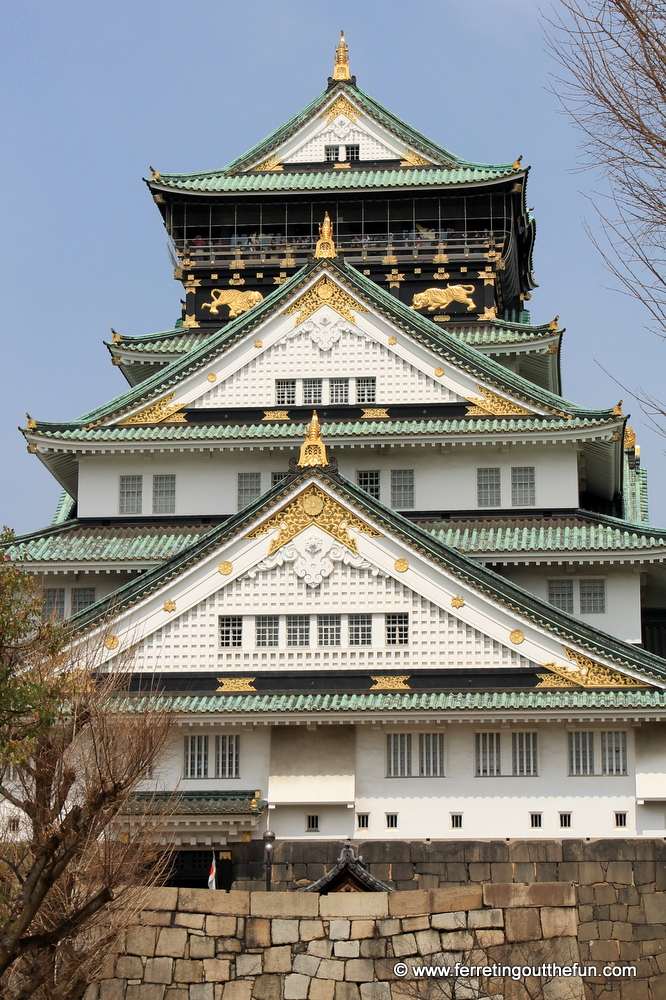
{"points": [[157, 413], [225, 567], [401, 565], [112, 642], [236, 684], [517, 636], [325, 292], [384, 682]]}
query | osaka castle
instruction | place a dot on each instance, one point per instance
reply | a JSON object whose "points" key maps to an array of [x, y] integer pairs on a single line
{"points": [[394, 584]]}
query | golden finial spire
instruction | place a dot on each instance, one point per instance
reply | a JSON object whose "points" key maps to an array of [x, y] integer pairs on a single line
{"points": [[341, 67], [325, 247], [313, 449]]}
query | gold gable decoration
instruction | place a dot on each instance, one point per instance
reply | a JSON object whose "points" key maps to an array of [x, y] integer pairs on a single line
{"points": [[325, 248], [412, 159], [157, 413], [490, 404], [341, 66], [340, 106], [384, 682], [325, 293], [272, 163], [314, 508], [313, 449], [586, 673], [236, 684]]}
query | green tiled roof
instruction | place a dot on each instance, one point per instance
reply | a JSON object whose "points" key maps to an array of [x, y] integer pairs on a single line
{"points": [[76, 542], [64, 509], [499, 332], [176, 341], [208, 803]]}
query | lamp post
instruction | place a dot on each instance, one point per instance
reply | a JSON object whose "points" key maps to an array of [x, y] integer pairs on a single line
{"points": [[269, 837]]}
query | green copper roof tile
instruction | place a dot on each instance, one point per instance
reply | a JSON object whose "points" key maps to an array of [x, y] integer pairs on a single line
{"points": [[177, 341], [76, 543]]}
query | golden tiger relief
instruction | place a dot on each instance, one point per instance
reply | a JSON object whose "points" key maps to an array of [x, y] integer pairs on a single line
{"points": [[440, 298], [238, 302]]}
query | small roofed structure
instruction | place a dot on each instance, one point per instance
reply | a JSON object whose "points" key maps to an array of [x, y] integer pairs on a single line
{"points": [[349, 874]]}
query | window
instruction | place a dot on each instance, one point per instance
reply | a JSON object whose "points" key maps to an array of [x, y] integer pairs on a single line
{"points": [[332, 153], [402, 488], [267, 630], [613, 753], [456, 821], [581, 753], [523, 490], [621, 819], [524, 753], [312, 824], [391, 821], [399, 755], [366, 390], [328, 630], [54, 602], [363, 821], [488, 487], [130, 499], [227, 756], [196, 756], [285, 392], [592, 597], [397, 630], [312, 391], [82, 597], [231, 630], [298, 630], [339, 390], [560, 595], [369, 481], [535, 821], [13, 825], [431, 755], [360, 630], [164, 494], [565, 821], [249, 488], [352, 152], [488, 761]]}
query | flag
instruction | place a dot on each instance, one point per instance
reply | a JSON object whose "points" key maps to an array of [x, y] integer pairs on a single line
{"points": [[212, 874]]}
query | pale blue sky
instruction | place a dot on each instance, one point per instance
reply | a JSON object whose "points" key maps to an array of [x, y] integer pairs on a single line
{"points": [[94, 92]]}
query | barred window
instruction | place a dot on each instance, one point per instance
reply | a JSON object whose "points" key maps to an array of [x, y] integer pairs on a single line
{"points": [[399, 755], [249, 488], [227, 756], [489, 487], [298, 630], [369, 481], [54, 602], [524, 753], [363, 821], [613, 753], [328, 630], [231, 630], [620, 819], [164, 494], [581, 753], [360, 630], [391, 821], [312, 824], [561, 595], [312, 391], [82, 597], [196, 756], [267, 630], [397, 629], [402, 488], [130, 498], [431, 754], [353, 152], [592, 597], [535, 820], [488, 761], [339, 390], [277, 477], [523, 487], [285, 391], [565, 821], [456, 821], [332, 153], [366, 390]]}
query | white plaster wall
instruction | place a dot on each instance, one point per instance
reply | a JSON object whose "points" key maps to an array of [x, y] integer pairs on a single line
{"points": [[254, 759], [290, 822], [103, 582]]}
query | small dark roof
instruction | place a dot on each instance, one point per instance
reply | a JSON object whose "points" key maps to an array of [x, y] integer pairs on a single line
{"points": [[349, 874]]}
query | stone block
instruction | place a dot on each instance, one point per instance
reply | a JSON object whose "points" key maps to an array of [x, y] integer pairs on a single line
{"points": [[618, 912], [522, 924], [322, 989], [346, 991], [453, 898], [375, 991], [228, 946], [220, 926], [604, 951], [636, 915], [156, 918], [644, 872], [306, 965], [357, 904], [331, 969], [479, 871], [112, 989], [188, 971], [129, 967], [141, 941], [296, 987], [416, 923], [339, 930], [216, 970], [160, 898], [346, 949], [568, 871], [373, 948], [404, 944], [158, 970], [194, 921], [525, 871], [506, 895], [277, 959], [359, 970], [384, 969], [202, 991], [387, 928], [267, 988], [620, 872], [145, 991], [501, 872], [363, 929], [248, 965], [622, 931], [485, 918], [258, 932], [456, 940], [322, 949], [232, 904], [588, 931], [309, 930], [655, 907], [449, 921], [284, 931], [590, 872], [427, 942], [238, 989], [285, 904], [559, 921], [630, 951], [456, 872], [489, 938], [202, 947], [604, 894], [411, 902], [172, 941]]}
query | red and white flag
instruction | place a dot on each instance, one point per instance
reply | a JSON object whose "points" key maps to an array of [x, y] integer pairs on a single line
{"points": [[212, 874]]}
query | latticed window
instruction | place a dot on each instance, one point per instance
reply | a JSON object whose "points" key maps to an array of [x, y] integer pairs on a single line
{"points": [[402, 488], [298, 630], [369, 481], [613, 753], [54, 602], [196, 756], [231, 630], [524, 753], [399, 755], [366, 390], [82, 597], [488, 759], [431, 754], [277, 477], [523, 487], [592, 597], [227, 756], [328, 630], [267, 629], [581, 753], [249, 488], [339, 390], [397, 629], [285, 391], [312, 391], [353, 152], [164, 494], [489, 487], [360, 630], [131, 495], [332, 153], [561, 595]]}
